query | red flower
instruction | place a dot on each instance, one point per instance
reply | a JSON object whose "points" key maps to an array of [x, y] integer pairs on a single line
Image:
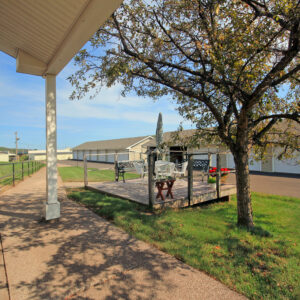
{"points": [[224, 171]]}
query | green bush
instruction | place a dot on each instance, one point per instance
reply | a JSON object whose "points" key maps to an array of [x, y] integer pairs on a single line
{"points": [[212, 180]]}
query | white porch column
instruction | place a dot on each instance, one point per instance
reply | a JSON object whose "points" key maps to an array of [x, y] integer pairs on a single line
{"points": [[51, 206]]}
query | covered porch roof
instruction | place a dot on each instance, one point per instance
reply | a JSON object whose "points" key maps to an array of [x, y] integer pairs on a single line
{"points": [[43, 35]]}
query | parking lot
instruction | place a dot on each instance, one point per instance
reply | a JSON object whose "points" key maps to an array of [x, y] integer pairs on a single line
{"points": [[271, 184]]}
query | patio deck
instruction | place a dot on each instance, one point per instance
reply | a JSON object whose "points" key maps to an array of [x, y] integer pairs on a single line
{"points": [[137, 190]]}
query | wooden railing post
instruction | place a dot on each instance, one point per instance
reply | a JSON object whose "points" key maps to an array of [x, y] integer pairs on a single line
{"points": [[151, 181], [190, 178], [116, 167], [218, 175], [209, 157], [85, 171], [22, 170]]}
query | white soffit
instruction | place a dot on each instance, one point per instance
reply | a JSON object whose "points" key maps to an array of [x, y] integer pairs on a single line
{"points": [[44, 35]]}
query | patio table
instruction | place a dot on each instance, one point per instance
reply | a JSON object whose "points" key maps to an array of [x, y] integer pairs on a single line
{"points": [[165, 185]]}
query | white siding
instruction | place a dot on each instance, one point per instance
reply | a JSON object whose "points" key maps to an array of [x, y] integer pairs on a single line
{"points": [[123, 157], [93, 155], [101, 156], [86, 154], [213, 160], [75, 155], [110, 157], [199, 156], [254, 165], [230, 161], [283, 166], [80, 155], [286, 166]]}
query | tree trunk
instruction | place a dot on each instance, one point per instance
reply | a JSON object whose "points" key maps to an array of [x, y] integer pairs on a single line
{"points": [[244, 206]]}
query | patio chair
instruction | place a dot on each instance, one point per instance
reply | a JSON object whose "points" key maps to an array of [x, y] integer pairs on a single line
{"points": [[124, 166], [181, 169], [141, 168], [201, 165], [164, 169]]}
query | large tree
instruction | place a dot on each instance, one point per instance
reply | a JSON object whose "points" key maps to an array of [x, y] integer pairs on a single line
{"points": [[229, 64]]}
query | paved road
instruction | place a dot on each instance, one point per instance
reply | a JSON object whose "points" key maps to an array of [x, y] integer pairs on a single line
{"points": [[276, 185], [85, 257]]}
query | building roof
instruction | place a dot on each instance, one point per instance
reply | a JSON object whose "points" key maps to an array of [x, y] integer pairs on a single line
{"points": [[44, 35], [168, 137], [180, 138], [115, 144]]}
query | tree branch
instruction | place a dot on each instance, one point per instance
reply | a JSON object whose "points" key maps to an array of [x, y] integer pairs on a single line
{"points": [[295, 116], [257, 136], [259, 12], [294, 46], [286, 76]]}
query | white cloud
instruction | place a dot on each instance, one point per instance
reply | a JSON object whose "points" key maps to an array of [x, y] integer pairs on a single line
{"points": [[84, 110], [109, 104], [108, 96], [12, 89]]}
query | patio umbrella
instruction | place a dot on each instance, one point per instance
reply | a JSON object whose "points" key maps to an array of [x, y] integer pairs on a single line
{"points": [[159, 136]]}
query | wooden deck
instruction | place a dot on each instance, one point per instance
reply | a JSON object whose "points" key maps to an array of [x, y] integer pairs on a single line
{"points": [[137, 190]]}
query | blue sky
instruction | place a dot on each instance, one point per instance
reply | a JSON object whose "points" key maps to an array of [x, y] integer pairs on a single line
{"points": [[108, 116]]}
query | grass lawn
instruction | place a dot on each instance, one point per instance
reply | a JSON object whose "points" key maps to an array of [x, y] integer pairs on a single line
{"points": [[77, 174], [7, 169], [263, 264]]}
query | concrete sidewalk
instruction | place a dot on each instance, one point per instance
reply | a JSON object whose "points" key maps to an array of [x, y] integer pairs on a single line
{"points": [[85, 257]]}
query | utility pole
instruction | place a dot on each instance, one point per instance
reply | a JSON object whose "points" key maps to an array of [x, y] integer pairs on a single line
{"points": [[17, 139]]}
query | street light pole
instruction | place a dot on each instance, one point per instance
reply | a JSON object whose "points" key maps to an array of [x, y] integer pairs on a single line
{"points": [[17, 139]]}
